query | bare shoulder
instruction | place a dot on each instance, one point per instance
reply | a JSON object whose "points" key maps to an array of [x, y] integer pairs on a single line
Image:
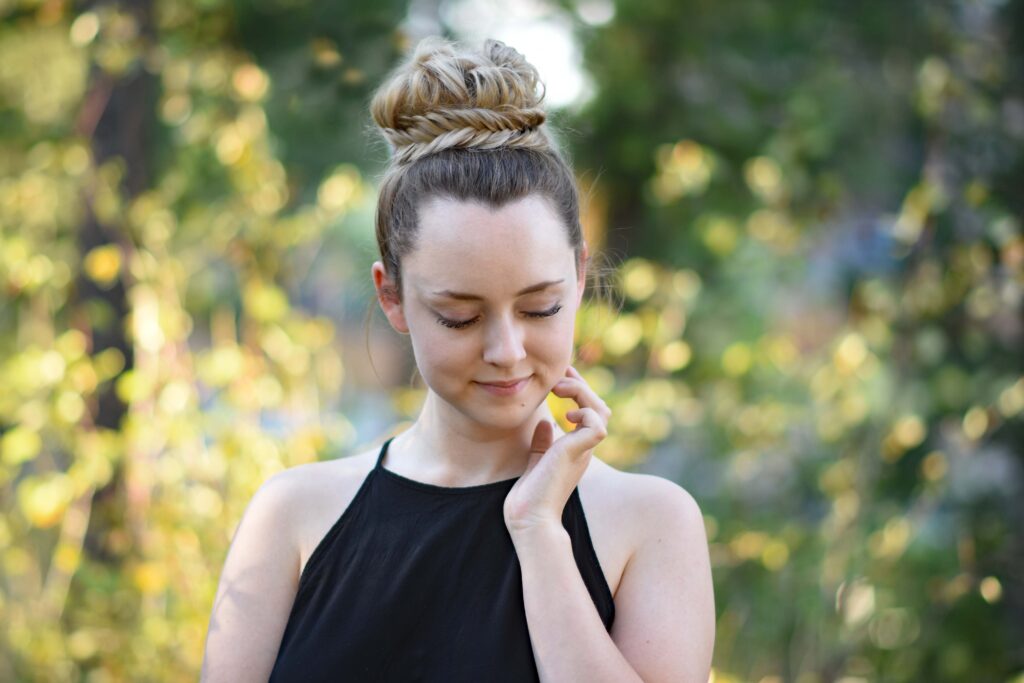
{"points": [[320, 492], [642, 502], [263, 566], [645, 493], [306, 486], [323, 476], [664, 598]]}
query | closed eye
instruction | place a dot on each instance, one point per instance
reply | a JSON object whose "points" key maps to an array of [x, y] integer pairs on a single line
{"points": [[459, 324]]}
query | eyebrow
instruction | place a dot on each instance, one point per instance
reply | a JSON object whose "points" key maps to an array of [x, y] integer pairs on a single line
{"points": [[473, 297]]}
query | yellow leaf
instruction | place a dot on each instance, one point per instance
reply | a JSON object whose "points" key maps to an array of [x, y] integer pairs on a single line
{"points": [[250, 82], [103, 264], [149, 577], [265, 302], [623, 335], [737, 359], [43, 500], [19, 445]]}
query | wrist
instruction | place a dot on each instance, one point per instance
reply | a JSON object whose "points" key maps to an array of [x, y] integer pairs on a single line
{"points": [[538, 534]]}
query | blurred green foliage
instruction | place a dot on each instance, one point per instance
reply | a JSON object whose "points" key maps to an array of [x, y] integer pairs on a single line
{"points": [[844, 182], [819, 212]]}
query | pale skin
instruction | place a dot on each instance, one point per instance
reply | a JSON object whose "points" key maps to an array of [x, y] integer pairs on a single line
{"points": [[653, 548]]}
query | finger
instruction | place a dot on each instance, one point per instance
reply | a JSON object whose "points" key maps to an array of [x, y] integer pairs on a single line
{"points": [[589, 432], [587, 418], [543, 437], [582, 393]]}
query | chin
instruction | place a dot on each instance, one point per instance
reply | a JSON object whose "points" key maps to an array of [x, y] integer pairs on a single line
{"points": [[509, 413]]}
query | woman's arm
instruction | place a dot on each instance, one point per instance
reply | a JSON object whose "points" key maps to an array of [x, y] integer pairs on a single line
{"points": [[257, 588], [664, 626], [665, 602]]}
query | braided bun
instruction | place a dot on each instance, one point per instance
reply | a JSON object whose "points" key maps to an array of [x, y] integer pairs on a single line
{"points": [[465, 124], [444, 97]]}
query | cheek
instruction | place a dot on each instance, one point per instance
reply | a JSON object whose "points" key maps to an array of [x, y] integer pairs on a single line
{"points": [[553, 351], [438, 349], [566, 333], [442, 353]]}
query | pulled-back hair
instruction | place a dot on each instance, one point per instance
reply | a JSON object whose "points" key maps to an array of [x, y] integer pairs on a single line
{"points": [[467, 125]]}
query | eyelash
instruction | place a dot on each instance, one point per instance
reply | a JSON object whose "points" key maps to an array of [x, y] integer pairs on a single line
{"points": [[459, 324]]}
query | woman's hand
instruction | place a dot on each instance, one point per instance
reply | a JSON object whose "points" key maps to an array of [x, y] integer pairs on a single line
{"points": [[538, 497]]}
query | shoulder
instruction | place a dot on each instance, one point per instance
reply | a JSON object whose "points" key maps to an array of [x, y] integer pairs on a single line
{"points": [[664, 604], [626, 512], [261, 572], [315, 494], [298, 501], [659, 500], [309, 481], [646, 501]]}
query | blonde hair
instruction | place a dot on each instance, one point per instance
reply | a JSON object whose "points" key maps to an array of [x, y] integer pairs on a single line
{"points": [[465, 124], [443, 98]]}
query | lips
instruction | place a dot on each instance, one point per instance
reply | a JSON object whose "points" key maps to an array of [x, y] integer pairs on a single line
{"points": [[505, 388], [510, 383]]}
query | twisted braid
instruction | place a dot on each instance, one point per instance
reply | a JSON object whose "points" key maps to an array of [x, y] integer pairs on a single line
{"points": [[423, 134], [443, 98], [465, 123]]}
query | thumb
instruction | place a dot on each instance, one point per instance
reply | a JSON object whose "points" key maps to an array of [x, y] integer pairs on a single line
{"points": [[543, 437]]}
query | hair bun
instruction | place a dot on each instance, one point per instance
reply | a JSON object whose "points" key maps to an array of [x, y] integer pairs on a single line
{"points": [[445, 96]]}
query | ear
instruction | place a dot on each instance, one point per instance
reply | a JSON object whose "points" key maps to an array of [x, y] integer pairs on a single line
{"points": [[581, 278], [388, 298]]}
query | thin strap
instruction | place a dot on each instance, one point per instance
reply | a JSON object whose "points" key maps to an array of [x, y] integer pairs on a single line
{"points": [[380, 457]]}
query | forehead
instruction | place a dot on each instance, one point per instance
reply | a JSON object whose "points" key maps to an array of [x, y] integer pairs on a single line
{"points": [[471, 247]]}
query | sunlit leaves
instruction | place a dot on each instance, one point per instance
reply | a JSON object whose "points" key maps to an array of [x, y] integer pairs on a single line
{"points": [[764, 177], [19, 445], [737, 359], [340, 189], [1011, 399], [920, 201], [684, 168], [119, 43], [207, 354], [42, 75], [218, 366], [819, 332], [933, 80], [250, 83], [854, 347], [84, 29], [623, 335], [264, 301], [43, 499], [719, 233], [103, 264], [773, 228], [675, 355]]}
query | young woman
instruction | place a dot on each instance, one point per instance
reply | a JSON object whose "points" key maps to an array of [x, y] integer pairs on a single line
{"points": [[459, 549]]}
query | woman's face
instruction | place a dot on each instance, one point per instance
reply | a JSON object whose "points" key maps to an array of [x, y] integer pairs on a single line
{"points": [[489, 295]]}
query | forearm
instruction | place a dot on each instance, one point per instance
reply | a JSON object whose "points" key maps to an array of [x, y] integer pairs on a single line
{"points": [[569, 639]]}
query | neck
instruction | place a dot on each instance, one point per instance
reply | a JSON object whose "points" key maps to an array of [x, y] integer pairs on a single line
{"points": [[446, 448]]}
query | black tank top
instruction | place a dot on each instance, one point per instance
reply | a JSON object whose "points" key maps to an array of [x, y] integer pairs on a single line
{"points": [[417, 582]]}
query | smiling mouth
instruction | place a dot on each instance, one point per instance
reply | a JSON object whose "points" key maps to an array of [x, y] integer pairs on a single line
{"points": [[505, 384], [505, 388]]}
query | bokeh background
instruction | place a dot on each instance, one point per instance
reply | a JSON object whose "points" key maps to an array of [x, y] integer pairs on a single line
{"points": [[813, 216]]}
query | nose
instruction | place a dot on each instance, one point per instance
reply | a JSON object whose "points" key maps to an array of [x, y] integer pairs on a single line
{"points": [[503, 345]]}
